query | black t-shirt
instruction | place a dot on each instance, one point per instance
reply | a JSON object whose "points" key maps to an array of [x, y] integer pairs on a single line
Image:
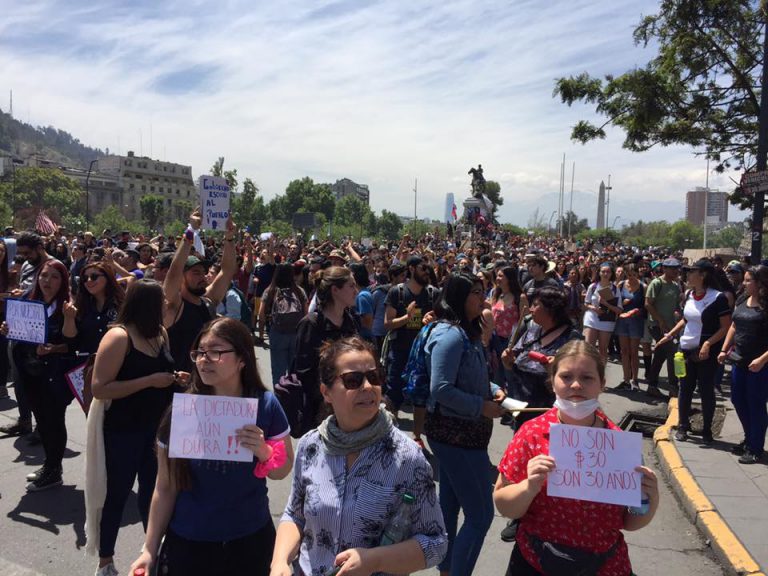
{"points": [[751, 331], [532, 285], [399, 297]]}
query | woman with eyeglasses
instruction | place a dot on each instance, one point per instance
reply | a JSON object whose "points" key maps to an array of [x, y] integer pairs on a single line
{"points": [[213, 516], [460, 411], [350, 478], [134, 374], [95, 308]]}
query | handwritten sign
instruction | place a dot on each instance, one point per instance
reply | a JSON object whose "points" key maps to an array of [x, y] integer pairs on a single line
{"points": [[27, 320], [203, 427], [595, 464], [76, 381], [214, 202]]}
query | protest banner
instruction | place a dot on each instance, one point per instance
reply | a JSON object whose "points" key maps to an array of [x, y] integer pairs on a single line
{"points": [[214, 202], [203, 427], [76, 381], [27, 320], [595, 464]]}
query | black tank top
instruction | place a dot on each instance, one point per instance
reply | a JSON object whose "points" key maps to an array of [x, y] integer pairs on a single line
{"points": [[142, 410], [184, 331]]}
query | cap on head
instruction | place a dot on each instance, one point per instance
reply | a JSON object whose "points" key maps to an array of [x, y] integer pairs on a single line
{"points": [[194, 261], [671, 263], [414, 260], [700, 265]]}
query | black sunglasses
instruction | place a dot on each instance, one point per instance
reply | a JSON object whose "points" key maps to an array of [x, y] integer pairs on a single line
{"points": [[354, 380], [92, 277]]}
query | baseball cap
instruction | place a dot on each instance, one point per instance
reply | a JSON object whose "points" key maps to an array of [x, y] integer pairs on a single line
{"points": [[671, 263], [396, 269], [735, 266], [194, 261], [700, 265], [164, 260], [414, 260], [338, 254]]}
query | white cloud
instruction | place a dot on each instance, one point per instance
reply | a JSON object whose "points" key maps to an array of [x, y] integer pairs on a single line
{"points": [[381, 92]]}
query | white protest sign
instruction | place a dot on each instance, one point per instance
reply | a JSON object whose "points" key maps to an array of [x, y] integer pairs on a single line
{"points": [[203, 427], [595, 464], [76, 380], [27, 320], [214, 202]]}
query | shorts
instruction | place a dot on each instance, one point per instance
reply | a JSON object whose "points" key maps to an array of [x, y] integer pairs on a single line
{"points": [[630, 327]]}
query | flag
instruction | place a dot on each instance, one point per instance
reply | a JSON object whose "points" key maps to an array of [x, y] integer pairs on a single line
{"points": [[43, 224], [453, 212]]}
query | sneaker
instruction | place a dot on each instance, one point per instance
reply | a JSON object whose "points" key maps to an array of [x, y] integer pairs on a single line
{"points": [[49, 478], [507, 419], [635, 386], [749, 458], [739, 449], [623, 385], [32, 476], [707, 439], [681, 435], [510, 531], [19, 428], [654, 392], [107, 570]]}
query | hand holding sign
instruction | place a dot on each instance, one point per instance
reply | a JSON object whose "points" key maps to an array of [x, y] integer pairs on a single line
{"points": [[538, 468], [27, 321], [251, 437]]}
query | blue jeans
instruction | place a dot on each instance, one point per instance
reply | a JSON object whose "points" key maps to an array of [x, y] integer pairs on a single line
{"points": [[465, 483], [498, 345], [281, 350], [749, 393]]}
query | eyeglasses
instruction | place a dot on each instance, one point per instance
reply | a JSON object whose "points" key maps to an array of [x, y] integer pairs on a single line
{"points": [[210, 355], [92, 277], [354, 380]]}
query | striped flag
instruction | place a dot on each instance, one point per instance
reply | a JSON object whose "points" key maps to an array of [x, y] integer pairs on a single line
{"points": [[43, 224], [453, 213]]}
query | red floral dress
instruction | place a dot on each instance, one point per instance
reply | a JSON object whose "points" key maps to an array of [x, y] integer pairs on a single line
{"points": [[588, 525], [504, 318]]}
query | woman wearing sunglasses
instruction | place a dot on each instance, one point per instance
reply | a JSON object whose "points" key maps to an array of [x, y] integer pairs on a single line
{"points": [[134, 373], [214, 515], [460, 412], [350, 478], [95, 307]]}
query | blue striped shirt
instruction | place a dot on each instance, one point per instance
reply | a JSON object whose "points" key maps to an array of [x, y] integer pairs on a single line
{"points": [[337, 509]]}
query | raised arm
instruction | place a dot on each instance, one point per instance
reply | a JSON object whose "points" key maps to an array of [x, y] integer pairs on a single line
{"points": [[218, 288]]}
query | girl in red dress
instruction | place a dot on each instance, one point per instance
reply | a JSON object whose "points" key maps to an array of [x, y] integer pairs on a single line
{"points": [[588, 532]]}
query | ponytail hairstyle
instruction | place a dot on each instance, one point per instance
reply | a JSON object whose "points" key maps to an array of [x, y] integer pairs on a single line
{"points": [[328, 278]]}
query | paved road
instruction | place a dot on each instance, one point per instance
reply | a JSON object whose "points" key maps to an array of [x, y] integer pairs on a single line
{"points": [[43, 533]]}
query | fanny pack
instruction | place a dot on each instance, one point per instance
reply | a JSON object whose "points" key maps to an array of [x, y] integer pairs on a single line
{"points": [[562, 560], [460, 432]]}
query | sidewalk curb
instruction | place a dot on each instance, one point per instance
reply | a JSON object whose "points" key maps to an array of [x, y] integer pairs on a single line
{"points": [[729, 549]]}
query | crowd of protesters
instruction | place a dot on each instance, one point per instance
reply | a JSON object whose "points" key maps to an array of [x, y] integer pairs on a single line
{"points": [[531, 318]]}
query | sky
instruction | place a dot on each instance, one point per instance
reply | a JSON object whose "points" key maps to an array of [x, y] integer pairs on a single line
{"points": [[393, 94]]}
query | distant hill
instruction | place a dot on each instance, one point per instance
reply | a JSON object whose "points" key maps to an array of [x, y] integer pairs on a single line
{"points": [[23, 140]]}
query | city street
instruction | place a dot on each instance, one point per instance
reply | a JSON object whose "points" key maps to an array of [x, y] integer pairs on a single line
{"points": [[43, 533]]}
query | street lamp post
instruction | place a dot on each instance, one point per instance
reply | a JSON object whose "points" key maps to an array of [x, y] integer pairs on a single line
{"points": [[88, 193], [614, 222]]}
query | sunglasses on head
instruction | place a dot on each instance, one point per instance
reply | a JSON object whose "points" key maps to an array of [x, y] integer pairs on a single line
{"points": [[354, 380]]}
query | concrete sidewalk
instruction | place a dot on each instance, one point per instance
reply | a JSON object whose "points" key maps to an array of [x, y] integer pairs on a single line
{"points": [[726, 500]]}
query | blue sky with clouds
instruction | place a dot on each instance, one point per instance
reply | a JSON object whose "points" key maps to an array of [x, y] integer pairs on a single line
{"points": [[382, 92]]}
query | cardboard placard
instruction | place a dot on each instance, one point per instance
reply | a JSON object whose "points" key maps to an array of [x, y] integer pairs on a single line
{"points": [[214, 202], [203, 427], [27, 320], [595, 464], [76, 381]]}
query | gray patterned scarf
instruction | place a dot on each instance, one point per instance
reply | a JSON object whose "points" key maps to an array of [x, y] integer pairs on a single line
{"points": [[340, 443]]}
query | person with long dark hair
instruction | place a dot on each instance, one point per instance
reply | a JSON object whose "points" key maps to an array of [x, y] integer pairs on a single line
{"points": [[284, 304], [459, 421], [42, 367], [134, 371], [706, 319], [214, 515], [507, 304], [746, 348], [5, 289], [95, 308]]}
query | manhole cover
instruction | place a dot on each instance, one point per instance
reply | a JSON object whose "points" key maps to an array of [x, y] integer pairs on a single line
{"points": [[643, 422]]}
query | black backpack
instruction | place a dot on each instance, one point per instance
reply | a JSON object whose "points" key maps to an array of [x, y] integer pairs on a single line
{"points": [[286, 310]]}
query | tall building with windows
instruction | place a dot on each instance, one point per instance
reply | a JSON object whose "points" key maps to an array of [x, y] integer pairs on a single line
{"points": [[716, 206], [139, 176], [346, 187]]}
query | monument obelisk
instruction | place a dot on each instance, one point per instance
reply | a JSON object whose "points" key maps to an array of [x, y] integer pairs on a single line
{"points": [[601, 206]]}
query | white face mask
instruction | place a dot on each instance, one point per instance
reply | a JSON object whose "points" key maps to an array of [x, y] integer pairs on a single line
{"points": [[576, 410]]}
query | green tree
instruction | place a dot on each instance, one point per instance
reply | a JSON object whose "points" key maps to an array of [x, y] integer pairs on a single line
{"points": [[111, 218], [320, 200], [248, 207], [390, 225], [229, 175], [152, 209], [33, 189], [646, 233], [577, 225], [700, 90], [300, 194], [514, 230], [729, 237], [350, 210], [683, 234], [493, 191]]}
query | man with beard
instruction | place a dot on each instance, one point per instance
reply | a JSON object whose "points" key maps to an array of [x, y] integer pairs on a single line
{"points": [[190, 300], [406, 306]]}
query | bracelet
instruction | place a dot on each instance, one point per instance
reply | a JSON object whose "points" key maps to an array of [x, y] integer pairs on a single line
{"points": [[275, 460]]}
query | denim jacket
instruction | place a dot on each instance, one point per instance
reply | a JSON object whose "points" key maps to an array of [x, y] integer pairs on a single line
{"points": [[458, 373]]}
